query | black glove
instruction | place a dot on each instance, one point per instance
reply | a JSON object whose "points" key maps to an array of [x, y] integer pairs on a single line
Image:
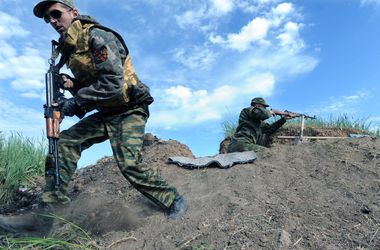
{"points": [[140, 94], [69, 107]]}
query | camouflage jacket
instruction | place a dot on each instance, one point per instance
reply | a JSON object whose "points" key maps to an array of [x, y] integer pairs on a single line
{"points": [[252, 126], [101, 65]]}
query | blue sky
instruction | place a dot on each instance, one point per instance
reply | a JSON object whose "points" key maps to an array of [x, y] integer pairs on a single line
{"points": [[205, 59]]}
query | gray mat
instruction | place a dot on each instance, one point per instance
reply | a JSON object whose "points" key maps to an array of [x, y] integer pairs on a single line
{"points": [[221, 160]]}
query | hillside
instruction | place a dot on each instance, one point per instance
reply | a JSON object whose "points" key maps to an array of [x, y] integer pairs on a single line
{"points": [[321, 194]]}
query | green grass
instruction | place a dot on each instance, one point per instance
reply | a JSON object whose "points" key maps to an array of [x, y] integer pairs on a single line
{"points": [[38, 243], [229, 124], [342, 121], [68, 236], [201, 246], [21, 160], [377, 132], [229, 128]]}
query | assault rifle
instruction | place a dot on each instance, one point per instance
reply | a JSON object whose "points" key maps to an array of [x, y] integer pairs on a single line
{"points": [[290, 114], [52, 111]]}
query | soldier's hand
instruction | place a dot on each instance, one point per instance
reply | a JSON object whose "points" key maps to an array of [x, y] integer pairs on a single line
{"points": [[67, 82], [69, 107]]}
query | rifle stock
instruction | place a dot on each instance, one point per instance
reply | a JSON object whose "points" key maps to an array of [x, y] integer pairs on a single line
{"points": [[53, 114]]}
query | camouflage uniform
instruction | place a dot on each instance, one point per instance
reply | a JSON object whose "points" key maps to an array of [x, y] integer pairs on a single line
{"points": [[252, 132], [104, 79]]}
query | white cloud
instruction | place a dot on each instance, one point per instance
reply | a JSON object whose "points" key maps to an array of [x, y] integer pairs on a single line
{"points": [[268, 1], [195, 57], [180, 105], [283, 62], [290, 38], [290, 34], [32, 95], [260, 86], [190, 18], [255, 31], [281, 13], [374, 123], [369, 2], [283, 9], [178, 96], [10, 27], [23, 84], [258, 29], [6, 50], [15, 117], [345, 104], [223, 6], [26, 70], [205, 15]]}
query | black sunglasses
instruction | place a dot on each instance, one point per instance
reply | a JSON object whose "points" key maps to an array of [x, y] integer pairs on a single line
{"points": [[56, 14]]}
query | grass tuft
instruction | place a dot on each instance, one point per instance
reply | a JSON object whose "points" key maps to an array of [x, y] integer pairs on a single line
{"points": [[376, 132], [21, 160], [229, 128], [70, 232], [68, 236]]}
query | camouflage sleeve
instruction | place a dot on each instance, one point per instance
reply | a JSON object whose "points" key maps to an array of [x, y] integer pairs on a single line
{"points": [[272, 128], [260, 114], [108, 55]]}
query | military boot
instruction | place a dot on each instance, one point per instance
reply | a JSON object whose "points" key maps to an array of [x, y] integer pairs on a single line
{"points": [[55, 197], [178, 207]]}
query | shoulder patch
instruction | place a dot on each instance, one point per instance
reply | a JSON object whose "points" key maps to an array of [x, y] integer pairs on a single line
{"points": [[100, 54]]}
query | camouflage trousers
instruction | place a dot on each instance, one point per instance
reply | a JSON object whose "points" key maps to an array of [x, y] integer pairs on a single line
{"points": [[242, 144], [125, 132]]}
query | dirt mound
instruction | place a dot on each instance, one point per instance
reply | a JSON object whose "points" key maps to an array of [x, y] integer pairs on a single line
{"points": [[316, 195]]}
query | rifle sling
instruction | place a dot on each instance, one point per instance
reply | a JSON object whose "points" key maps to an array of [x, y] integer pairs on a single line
{"points": [[55, 55]]}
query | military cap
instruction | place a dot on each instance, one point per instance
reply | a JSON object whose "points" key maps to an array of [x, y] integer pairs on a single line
{"points": [[40, 7], [259, 100]]}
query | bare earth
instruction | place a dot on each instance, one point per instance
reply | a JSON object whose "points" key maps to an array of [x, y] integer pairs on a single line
{"points": [[322, 194]]}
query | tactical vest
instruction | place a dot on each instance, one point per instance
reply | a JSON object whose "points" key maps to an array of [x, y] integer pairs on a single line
{"points": [[76, 48], [252, 129]]}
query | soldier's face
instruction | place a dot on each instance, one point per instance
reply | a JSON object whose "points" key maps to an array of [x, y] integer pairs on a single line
{"points": [[60, 17], [259, 105]]}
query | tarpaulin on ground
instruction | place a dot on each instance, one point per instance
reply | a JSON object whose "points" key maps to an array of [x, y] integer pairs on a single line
{"points": [[220, 160]]}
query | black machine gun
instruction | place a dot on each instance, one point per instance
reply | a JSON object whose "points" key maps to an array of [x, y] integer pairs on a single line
{"points": [[52, 111]]}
